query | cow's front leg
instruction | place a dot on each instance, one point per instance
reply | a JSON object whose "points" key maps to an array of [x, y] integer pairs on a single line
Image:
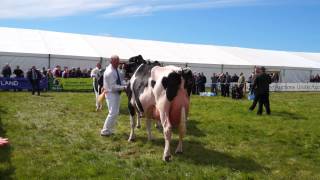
{"points": [[167, 131], [148, 125], [132, 122]]}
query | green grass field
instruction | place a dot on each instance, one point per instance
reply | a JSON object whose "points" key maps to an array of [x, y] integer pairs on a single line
{"points": [[56, 136]]}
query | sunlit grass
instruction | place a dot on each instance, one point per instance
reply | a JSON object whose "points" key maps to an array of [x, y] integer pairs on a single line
{"points": [[56, 136]]}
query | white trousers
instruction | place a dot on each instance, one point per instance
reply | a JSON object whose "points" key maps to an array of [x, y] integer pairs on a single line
{"points": [[96, 92], [113, 103]]}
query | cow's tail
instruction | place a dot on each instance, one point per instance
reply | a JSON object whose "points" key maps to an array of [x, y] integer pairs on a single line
{"points": [[183, 121]]}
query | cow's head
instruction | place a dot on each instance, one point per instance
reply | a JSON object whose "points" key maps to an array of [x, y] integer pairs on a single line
{"points": [[132, 65]]}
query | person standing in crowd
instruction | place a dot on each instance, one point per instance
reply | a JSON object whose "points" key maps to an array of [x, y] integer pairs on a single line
{"points": [[241, 84], [95, 75], [34, 77], [44, 72], [57, 71], [214, 81], [194, 84], [261, 86], [222, 79], [18, 72], [112, 87], [65, 72], [6, 71], [227, 87], [254, 75], [203, 81], [78, 73], [234, 78]]}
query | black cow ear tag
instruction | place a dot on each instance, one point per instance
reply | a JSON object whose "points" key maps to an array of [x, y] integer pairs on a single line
{"points": [[165, 82]]}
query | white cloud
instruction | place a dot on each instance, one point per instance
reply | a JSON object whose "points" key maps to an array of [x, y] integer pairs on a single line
{"points": [[21, 9], [150, 7], [51, 8]]}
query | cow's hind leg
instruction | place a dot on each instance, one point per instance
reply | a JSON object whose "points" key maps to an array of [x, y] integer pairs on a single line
{"points": [[132, 122], [167, 132], [139, 121], [148, 125], [182, 130]]}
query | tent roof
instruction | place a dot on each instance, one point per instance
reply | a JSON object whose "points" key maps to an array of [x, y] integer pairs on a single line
{"points": [[57, 43]]}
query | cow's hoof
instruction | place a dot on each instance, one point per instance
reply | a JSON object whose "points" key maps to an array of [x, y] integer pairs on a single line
{"points": [[167, 158], [131, 140], [179, 152]]}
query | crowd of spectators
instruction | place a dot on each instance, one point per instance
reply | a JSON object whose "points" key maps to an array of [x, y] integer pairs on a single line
{"points": [[56, 72], [315, 78]]}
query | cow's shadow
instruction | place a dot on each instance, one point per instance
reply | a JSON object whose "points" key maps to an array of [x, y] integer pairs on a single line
{"points": [[193, 130], [5, 152], [197, 154]]}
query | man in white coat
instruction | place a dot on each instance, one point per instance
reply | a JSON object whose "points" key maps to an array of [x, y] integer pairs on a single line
{"points": [[112, 86], [95, 75]]}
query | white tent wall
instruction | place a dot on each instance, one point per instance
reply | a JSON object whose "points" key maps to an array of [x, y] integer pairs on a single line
{"points": [[295, 75], [73, 62], [32, 47], [25, 61]]}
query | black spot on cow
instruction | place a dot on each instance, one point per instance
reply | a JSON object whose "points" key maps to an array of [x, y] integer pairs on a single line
{"points": [[141, 82], [153, 83], [129, 94], [171, 85], [188, 78]]}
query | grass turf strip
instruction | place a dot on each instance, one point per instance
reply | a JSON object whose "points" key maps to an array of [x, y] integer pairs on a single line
{"points": [[56, 136]]}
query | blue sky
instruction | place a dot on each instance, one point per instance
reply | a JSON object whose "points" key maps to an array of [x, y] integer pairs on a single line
{"points": [[292, 25]]}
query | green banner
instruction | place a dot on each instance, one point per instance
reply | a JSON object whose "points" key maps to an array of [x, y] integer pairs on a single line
{"points": [[73, 84]]}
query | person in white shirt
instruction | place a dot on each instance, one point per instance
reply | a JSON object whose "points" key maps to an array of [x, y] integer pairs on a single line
{"points": [[95, 75], [112, 88]]}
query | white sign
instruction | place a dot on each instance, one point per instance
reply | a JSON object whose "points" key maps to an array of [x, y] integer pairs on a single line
{"points": [[295, 87]]}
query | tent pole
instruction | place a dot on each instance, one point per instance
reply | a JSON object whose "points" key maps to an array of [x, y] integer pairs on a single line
{"points": [[49, 61]]}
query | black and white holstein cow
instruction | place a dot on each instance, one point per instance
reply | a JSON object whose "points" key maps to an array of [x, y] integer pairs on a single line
{"points": [[160, 93]]}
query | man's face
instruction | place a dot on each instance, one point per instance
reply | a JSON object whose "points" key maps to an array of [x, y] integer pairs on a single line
{"points": [[115, 63], [99, 66]]}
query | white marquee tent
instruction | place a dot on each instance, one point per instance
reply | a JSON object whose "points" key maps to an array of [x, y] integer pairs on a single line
{"points": [[27, 47]]}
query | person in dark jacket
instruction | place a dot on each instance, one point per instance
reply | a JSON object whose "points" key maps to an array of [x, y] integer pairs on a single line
{"points": [[6, 71], [261, 88], [222, 79], [34, 77], [203, 82], [214, 81], [227, 84], [18, 72]]}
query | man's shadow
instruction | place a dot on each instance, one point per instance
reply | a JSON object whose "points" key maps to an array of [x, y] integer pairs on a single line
{"points": [[289, 115], [5, 152]]}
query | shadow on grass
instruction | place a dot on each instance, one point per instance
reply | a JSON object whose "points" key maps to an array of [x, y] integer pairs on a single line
{"points": [[196, 153], [193, 130], [5, 152], [289, 115]]}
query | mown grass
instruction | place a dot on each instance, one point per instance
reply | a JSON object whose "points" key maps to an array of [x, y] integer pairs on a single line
{"points": [[56, 136]]}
